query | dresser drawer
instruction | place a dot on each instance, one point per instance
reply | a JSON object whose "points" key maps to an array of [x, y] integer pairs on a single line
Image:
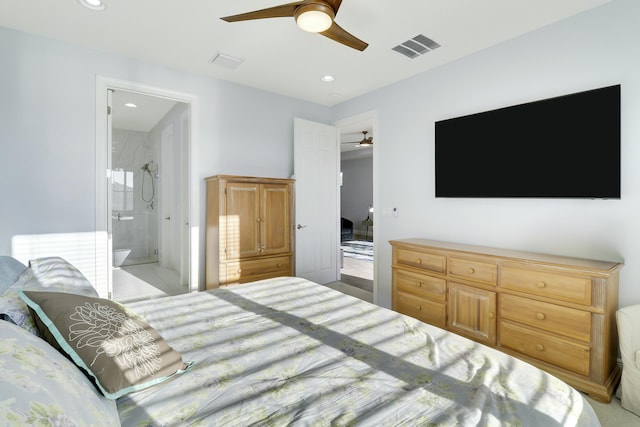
{"points": [[474, 270], [425, 260], [550, 317], [546, 347], [556, 286], [421, 309], [255, 269], [422, 285]]}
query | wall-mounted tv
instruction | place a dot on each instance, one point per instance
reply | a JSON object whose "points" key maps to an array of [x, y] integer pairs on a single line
{"points": [[562, 147]]}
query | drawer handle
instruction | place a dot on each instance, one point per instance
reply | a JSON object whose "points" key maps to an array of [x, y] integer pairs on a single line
{"points": [[539, 347], [420, 284], [492, 315], [239, 270], [471, 270], [419, 260], [419, 307], [540, 316], [541, 284]]}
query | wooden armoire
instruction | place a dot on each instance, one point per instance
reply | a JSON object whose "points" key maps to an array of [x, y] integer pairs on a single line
{"points": [[249, 229]]}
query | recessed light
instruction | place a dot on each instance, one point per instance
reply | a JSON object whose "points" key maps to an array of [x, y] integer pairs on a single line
{"points": [[131, 105], [327, 78], [93, 4]]}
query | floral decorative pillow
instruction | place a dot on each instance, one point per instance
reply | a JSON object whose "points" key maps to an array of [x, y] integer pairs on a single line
{"points": [[122, 352], [41, 387]]}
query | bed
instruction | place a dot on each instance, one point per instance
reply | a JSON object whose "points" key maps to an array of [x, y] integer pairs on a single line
{"points": [[287, 351]]}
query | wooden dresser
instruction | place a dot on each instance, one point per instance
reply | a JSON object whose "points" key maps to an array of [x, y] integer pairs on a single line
{"points": [[249, 229], [557, 313]]}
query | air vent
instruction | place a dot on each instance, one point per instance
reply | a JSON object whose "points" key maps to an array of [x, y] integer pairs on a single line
{"points": [[419, 45], [226, 61]]}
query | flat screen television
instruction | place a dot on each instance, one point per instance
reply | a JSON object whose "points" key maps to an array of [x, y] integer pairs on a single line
{"points": [[562, 147]]}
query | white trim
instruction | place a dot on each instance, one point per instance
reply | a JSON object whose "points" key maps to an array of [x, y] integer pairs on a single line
{"points": [[102, 167]]}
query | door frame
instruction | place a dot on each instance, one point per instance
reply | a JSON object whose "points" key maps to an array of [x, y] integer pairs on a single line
{"points": [[369, 117], [103, 253]]}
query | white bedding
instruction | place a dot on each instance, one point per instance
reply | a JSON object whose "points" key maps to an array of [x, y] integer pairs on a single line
{"points": [[287, 351]]}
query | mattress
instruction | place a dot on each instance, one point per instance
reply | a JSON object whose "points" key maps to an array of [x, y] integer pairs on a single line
{"points": [[288, 351]]}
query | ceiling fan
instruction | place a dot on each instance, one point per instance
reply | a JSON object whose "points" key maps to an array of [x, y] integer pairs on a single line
{"points": [[315, 16], [365, 142]]}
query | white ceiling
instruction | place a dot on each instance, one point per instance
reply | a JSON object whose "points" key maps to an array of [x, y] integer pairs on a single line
{"points": [[142, 118], [277, 56]]}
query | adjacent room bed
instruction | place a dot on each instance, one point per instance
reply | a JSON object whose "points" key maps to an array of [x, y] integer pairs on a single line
{"points": [[282, 351]]}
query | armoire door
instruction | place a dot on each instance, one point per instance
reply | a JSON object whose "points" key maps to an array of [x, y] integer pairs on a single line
{"points": [[242, 220], [275, 221]]}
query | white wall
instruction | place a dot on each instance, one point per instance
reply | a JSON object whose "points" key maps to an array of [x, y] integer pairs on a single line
{"points": [[47, 131], [595, 49], [356, 192], [47, 151]]}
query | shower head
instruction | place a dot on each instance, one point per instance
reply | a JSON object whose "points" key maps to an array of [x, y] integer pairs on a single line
{"points": [[150, 167]]}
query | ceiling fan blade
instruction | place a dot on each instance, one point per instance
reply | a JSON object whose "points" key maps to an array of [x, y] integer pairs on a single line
{"points": [[368, 141], [337, 33], [364, 141], [284, 10]]}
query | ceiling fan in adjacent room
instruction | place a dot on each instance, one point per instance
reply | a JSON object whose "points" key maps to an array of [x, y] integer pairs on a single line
{"points": [[315, 16], [365, 142]]}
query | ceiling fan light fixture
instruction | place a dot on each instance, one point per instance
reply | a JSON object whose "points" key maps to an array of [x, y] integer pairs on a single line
{"points": [[314, 17], [93, 4]]}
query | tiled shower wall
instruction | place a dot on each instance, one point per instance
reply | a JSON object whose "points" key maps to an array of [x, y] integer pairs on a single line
{"points": [[137, 228]]}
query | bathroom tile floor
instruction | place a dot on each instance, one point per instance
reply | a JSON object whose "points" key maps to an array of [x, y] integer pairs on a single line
{"points": [[145, 281]]}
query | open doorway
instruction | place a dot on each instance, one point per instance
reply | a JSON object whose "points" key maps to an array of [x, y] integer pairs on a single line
{"points": [[149, 173], [145, 209], [357, 235]]}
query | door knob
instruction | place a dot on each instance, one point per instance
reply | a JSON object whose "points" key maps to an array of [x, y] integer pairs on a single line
{"points": [[300, 226]]}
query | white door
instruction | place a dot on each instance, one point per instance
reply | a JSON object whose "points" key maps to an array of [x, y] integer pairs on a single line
{"points": [[185, 201], [316, 169], [167, 201], [108, 272]]}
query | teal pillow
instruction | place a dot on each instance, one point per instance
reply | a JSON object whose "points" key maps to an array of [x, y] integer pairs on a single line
{"points": [[119, 350]]}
